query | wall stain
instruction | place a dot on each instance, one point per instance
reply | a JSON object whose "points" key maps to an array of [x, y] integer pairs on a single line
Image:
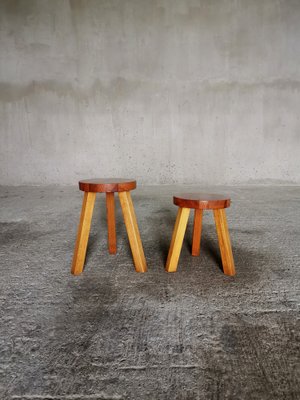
{"points": [[121, 87]]}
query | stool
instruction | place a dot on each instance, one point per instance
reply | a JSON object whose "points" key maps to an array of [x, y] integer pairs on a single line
{"points": [[109, 187], [200, 202]]}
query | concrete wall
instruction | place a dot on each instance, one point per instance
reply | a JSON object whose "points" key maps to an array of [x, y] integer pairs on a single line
{"points": [[165, 91]]}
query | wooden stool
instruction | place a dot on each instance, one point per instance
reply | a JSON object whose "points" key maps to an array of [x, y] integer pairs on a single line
{"points": [[108, 186], [200, 202]]}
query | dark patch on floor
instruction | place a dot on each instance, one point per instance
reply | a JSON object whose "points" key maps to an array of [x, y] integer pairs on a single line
{"points": [[114, 334]]}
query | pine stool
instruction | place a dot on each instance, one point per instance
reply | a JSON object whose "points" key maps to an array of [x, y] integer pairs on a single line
{"points": [[200, 202], [109, 187]]}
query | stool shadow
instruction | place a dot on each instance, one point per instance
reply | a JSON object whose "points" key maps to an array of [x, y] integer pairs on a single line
{"points": [[164, 249], [91, 247], [210, 247], [165, 236], [207, 246]]}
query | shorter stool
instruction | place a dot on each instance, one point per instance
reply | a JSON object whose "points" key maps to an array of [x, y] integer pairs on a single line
{"points": [[109, 187], [200, 202]]}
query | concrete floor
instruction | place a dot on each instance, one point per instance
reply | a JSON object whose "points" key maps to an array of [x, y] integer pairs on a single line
{"points": [[114, 334]]}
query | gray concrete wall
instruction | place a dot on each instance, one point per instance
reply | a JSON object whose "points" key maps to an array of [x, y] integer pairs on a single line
{"points": [[165, 91]]}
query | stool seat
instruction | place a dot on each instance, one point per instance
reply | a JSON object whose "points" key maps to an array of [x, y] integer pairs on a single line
{"points": [[107, 185], [202, 201]]}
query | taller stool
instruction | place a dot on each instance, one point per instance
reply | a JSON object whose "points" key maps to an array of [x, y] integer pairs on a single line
{"points": [[200, 202], [108, 186]]}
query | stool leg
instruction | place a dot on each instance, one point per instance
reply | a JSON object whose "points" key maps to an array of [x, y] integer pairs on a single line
{"points": [[224, 242], [111, 223], [83, 232], [133, 232], [197, 232], [177, 239]]}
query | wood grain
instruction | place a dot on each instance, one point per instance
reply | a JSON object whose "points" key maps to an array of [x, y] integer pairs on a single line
{"points": [[111, 223], [83, 232], [133, 232], [224, 242], [204, 201], [197, 232], [177, 239], [106, 185]]}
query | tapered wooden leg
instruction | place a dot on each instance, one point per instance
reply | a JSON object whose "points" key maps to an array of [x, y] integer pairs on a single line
{"points": [[111, 223], [177, 239], [83, 232], [197, 232], [224, 242], [133, 232]]}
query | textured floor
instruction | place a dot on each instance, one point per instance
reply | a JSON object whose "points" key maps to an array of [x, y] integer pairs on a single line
{"points": [[114, 334]]}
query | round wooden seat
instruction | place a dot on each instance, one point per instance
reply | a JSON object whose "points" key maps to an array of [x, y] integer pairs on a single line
{"points": [[202, 201], [107, 185]]}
